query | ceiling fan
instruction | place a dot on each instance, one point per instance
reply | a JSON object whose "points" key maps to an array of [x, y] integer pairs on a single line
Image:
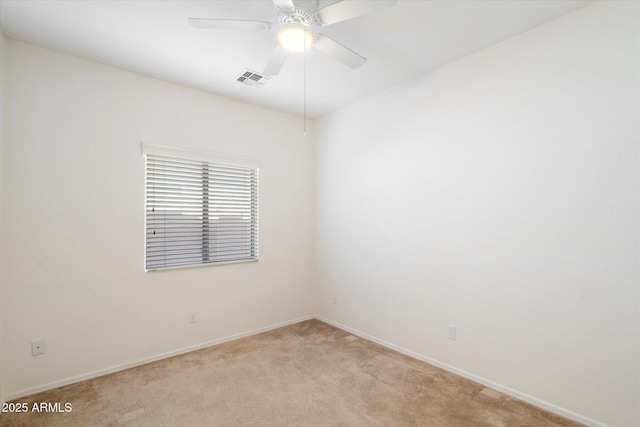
{"points": [[294, 34]]}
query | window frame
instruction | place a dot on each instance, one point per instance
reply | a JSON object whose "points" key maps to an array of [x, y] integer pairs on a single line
{"points": [[211, 158]]}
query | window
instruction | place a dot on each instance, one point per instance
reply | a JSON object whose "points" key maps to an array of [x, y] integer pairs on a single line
{"points": [[198, 212]]}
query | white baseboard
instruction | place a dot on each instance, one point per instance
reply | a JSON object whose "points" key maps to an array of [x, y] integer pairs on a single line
{"points": [[503, 389], [128, 365]]}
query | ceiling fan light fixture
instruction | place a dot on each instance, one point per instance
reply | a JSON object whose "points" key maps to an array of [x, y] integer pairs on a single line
{"points": [[295, 39]]}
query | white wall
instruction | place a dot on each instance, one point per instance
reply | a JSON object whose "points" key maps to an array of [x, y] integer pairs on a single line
{"points": [[498, 194], [2, 400], [72, 248]]}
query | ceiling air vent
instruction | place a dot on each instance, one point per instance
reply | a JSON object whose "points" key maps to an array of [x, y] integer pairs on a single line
{"points": [[251, 78]]}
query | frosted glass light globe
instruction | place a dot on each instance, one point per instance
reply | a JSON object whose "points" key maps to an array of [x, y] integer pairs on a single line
{"points": [[295, 39]]}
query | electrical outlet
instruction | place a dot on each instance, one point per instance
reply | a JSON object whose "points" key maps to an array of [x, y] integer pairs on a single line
{"points": [[451, 332], [37, 347], [193, 317], [335, 299]]}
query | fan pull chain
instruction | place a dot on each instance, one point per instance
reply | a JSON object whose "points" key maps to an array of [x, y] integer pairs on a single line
{"points": [[304, 91]]}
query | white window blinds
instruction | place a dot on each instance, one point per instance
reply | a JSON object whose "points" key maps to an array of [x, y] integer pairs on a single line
{"points": [[199, 213]]}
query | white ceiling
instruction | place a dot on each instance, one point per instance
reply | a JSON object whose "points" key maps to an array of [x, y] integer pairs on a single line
{"points": [[154, 38]]}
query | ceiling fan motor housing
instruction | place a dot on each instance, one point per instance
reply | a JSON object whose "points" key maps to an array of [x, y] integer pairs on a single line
{"points": [[295, 16]]}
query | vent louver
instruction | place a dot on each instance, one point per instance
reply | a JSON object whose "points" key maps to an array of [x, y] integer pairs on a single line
{"points": [[251, 78]]}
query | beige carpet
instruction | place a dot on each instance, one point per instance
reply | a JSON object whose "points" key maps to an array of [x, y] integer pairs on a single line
{"points": [[307, 374]]}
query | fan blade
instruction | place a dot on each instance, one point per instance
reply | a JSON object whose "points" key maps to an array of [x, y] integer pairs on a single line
{"points": [[346, 9], [334, 49], [229, 24], [276, 61], [284, 4]]}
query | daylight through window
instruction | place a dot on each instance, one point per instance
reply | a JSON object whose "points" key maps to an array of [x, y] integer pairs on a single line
{"points": [[199, 213]]}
